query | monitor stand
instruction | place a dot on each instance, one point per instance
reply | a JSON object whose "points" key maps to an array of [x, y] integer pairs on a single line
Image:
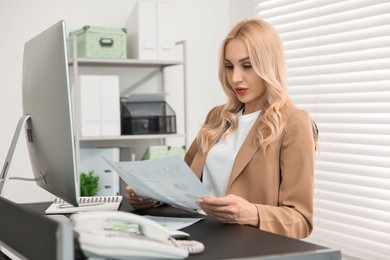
{"points": [[4, 176]]}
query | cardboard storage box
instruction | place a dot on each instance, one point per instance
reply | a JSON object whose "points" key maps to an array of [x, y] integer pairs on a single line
{"points": [[154, 117], [100, 42]]}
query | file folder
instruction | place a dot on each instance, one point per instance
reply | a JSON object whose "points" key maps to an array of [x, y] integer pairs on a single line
{"points": [[165, 30], [89, 106], [142, 31], [99, 106], [150, 31], [110, 106]]}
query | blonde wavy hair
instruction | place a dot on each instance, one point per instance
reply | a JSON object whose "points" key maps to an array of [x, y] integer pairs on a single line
{"points": [[266, 54]]}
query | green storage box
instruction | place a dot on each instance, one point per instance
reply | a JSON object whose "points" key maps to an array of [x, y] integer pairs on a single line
{"points": [[160, 151], [100, 42]]}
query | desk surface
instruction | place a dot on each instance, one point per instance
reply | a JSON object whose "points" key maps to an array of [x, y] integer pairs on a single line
{"points": [[227, 241]]}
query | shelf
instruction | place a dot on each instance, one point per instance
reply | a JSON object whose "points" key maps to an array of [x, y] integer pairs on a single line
{"points": [[121, 141], [128, 137], [126, 63]]}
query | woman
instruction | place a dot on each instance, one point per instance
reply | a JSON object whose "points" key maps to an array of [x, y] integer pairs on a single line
{"points": [[256, 152]]}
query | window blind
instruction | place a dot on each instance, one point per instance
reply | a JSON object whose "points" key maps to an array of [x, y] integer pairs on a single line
{"points": [[338, 59]]}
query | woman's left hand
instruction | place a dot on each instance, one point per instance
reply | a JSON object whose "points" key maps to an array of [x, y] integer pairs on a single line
{"points": [[230, 209]]}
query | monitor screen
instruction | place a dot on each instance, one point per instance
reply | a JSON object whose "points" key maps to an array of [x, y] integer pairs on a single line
{"points": [[47, 100]]}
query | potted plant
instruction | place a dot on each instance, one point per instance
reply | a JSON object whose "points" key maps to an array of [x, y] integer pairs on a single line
{"points": [[89, 184]]}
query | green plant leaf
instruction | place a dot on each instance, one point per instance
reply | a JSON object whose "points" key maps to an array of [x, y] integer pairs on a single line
{"points": [[89, 184]]}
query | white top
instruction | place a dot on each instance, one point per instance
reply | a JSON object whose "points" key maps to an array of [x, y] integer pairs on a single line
{"points": [[220, 159]]}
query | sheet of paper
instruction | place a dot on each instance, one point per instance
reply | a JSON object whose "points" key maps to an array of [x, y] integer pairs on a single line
{"points": [[167, 179], [172, 223]]}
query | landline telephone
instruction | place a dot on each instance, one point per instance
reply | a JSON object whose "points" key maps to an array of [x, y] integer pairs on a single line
{"points": [[124, 235]]}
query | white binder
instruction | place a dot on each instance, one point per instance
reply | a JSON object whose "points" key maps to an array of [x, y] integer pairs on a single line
{"points": [[142, 31], [89, 106], [150, 31], [165, 30], [110, 106], [99, 105]]}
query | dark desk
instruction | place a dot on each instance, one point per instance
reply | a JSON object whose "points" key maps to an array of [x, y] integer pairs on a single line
{"points": [[227, 241]]}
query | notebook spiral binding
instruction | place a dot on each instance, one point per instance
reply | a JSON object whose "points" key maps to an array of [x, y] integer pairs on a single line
{"points": [[94, 199], [96, 203]]}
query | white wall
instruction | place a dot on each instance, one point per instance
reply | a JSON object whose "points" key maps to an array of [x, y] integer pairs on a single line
{"points": [[240, 10], [202, 23]]}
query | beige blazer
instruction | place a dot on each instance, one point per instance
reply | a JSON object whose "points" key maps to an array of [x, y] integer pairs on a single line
{"points": [[280, 181]]}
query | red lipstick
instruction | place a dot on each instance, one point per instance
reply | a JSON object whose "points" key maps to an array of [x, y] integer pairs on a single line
{"points": [[240, 91]]}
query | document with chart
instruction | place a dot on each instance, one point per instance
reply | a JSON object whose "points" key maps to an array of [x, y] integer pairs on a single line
{"points": [[167, 179]]}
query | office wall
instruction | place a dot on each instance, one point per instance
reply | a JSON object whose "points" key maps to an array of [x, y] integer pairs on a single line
{"points": [[240, 10], [201, 23]]}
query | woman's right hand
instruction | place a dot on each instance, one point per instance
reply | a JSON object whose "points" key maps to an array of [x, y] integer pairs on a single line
{"points": [[140, 202]]}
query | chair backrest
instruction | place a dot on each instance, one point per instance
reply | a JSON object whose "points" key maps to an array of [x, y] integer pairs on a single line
{"points": [[315, 133]]}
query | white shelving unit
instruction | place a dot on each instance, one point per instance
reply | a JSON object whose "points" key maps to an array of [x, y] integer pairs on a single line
{"points": [[122, 67], [127, 64]]}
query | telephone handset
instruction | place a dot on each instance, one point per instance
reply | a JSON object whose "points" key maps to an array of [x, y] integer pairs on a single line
{"points": [[124, 235]]}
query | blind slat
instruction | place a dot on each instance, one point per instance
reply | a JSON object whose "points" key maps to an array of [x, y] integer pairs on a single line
{"points": [[358, 152], [351, 179], [356, 169], [375, 218], [353, 190], [360, 119], [350, 77], [353, 138], [380, 206], [361, 87], [352, 51], [338, 98], [337, 65], [351, 128], [329, 154], [365, 112]]}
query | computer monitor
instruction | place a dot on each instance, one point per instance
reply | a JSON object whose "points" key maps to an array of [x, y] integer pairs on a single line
{"points": [[47, 119]]}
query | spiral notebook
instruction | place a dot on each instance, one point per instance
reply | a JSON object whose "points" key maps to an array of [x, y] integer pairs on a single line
{"points": [[97, 203]]}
